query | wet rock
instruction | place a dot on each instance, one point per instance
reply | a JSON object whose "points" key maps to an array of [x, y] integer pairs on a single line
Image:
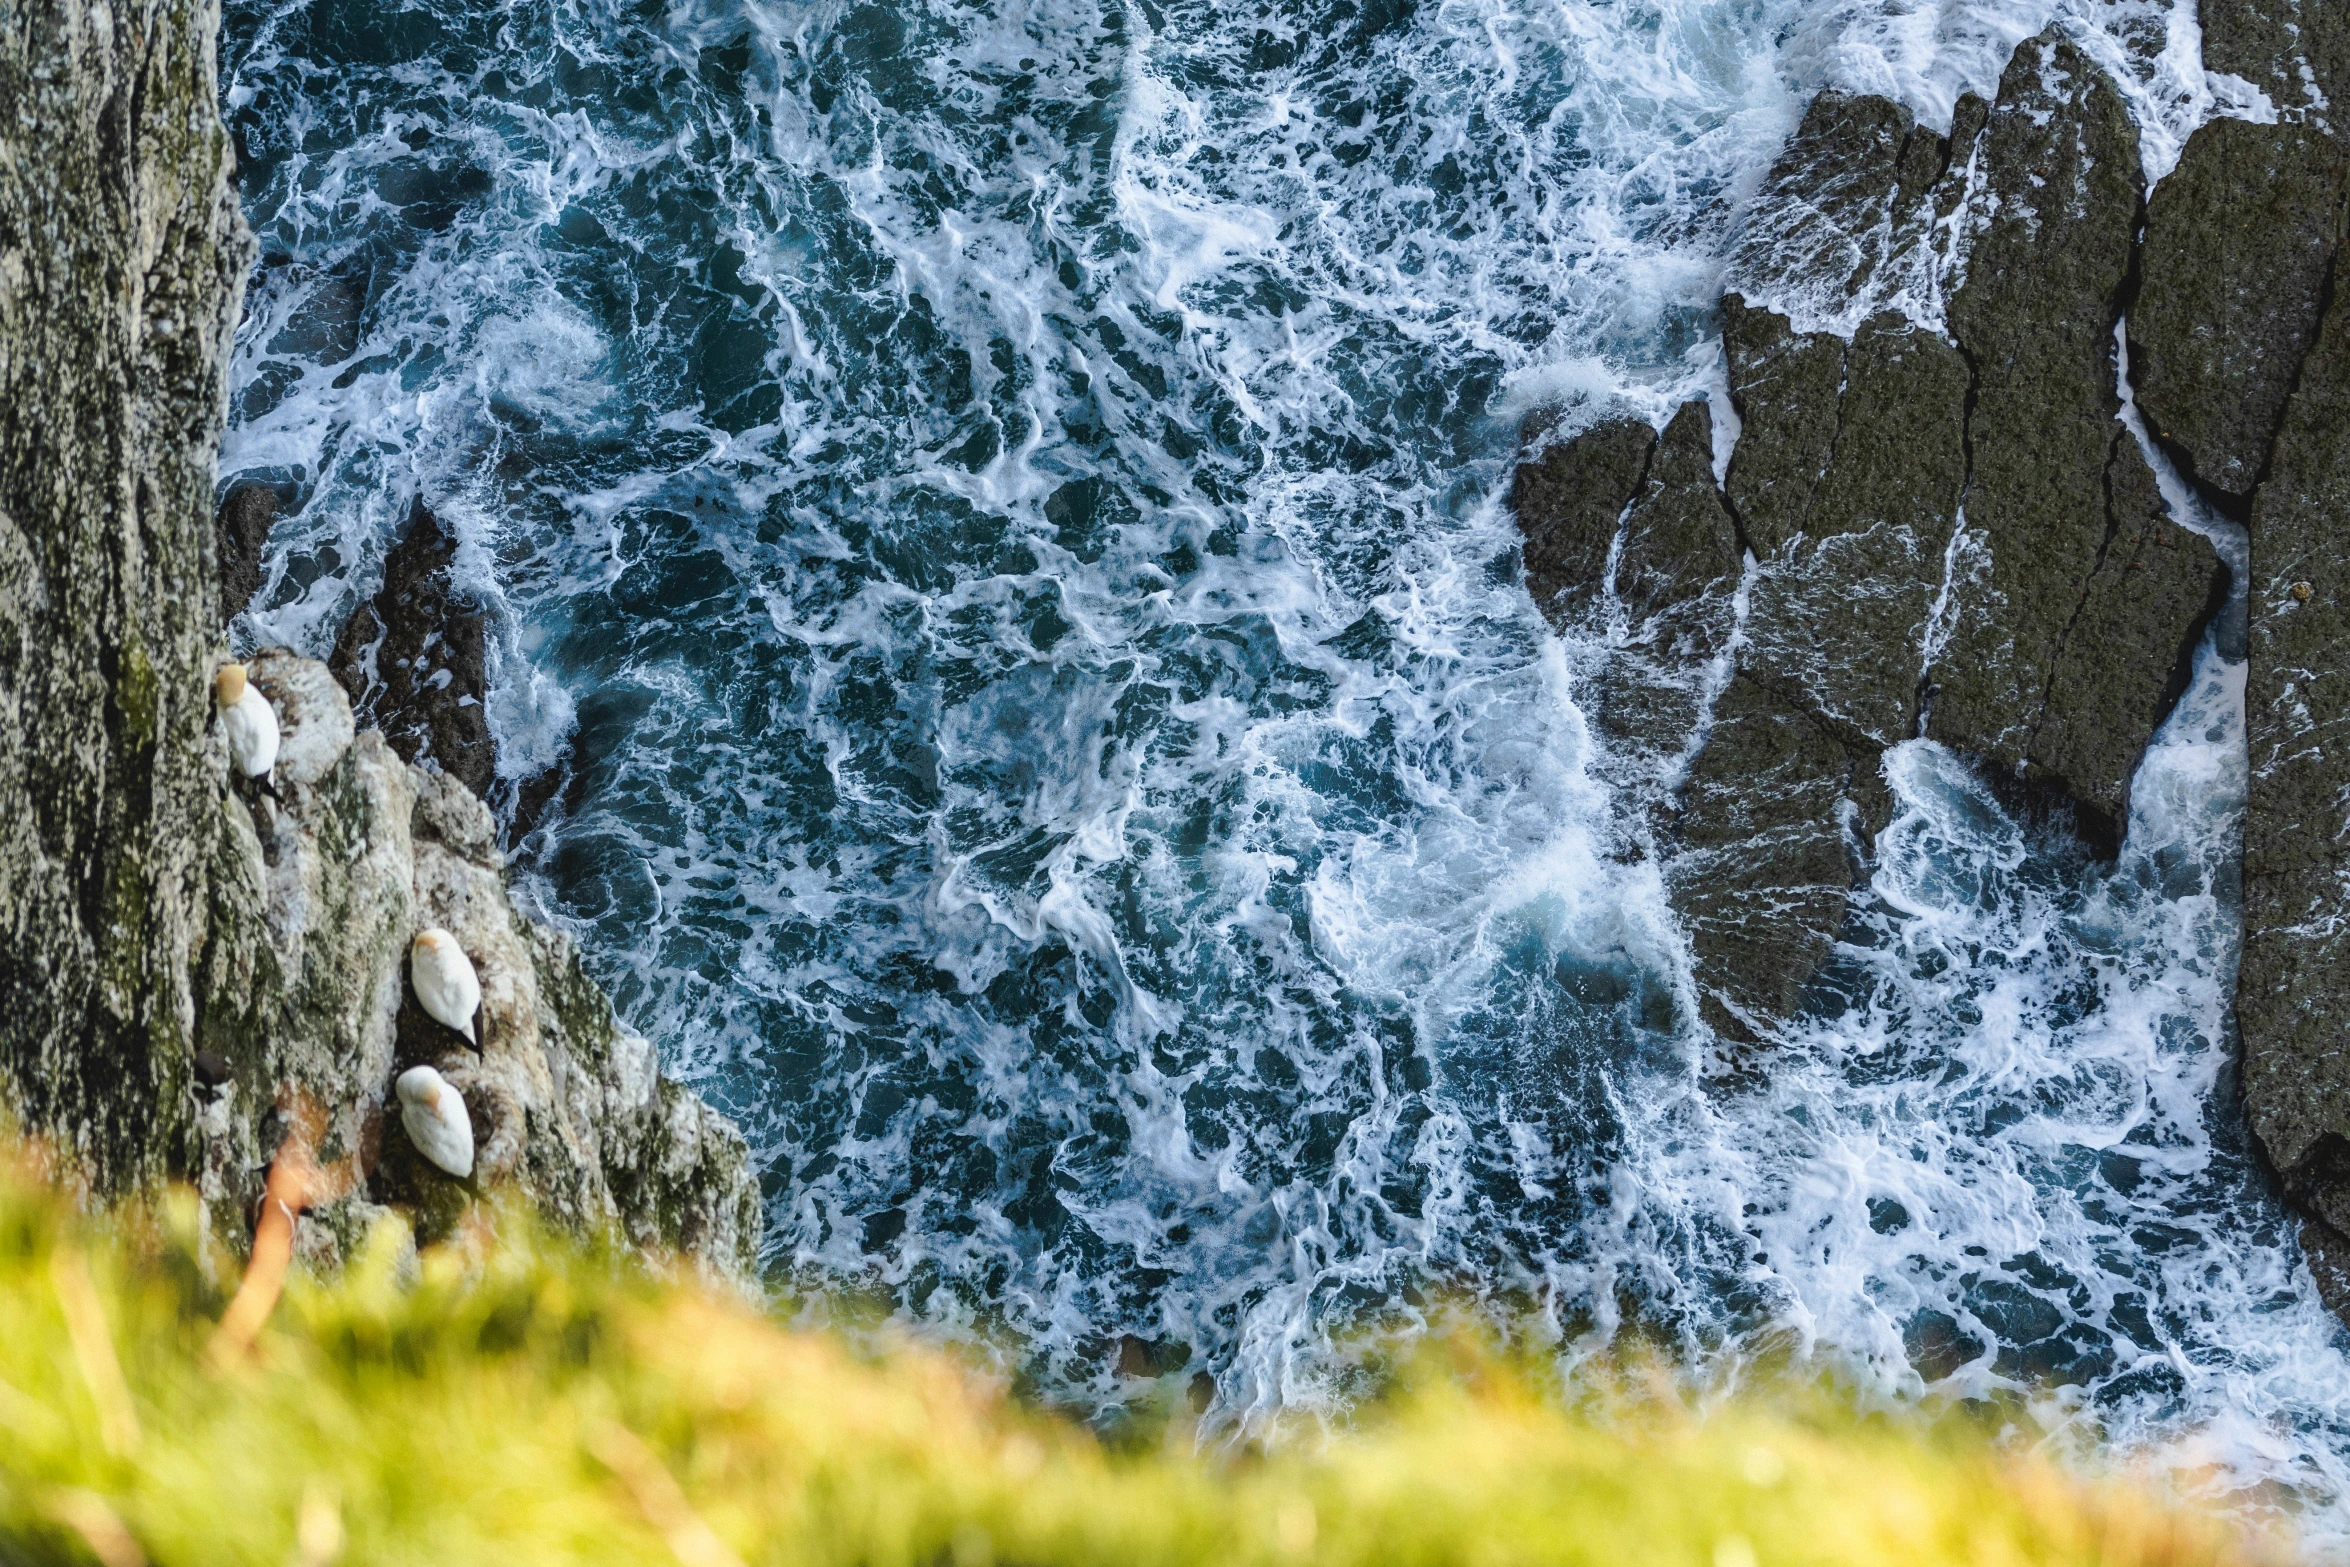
{"points": [[1786, 387], [1840, 611], [1569, 502], [2126, 655], [2293, 994], [241, 532], [1780, 812], [2045, 637], [1843, 207], [1676, 577], [2055, 479], [2239, 241], [1767, 849], [414, 659], [2295, 51]]}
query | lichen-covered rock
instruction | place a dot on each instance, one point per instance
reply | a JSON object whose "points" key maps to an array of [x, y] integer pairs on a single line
{"points": [[414, 658], [122, 260], [2240, 239]]}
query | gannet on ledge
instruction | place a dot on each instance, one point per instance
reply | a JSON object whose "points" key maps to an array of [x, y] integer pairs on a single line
{"points": [[434, 1114], [250, 721], [444, 980]]}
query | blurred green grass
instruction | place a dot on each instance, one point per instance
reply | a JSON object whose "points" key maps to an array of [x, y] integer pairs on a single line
{"points": [[520, 1401]]}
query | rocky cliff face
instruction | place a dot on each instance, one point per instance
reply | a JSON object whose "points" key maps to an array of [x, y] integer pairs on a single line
{"points": [[1953, 535], [303, 997], [122, 260], [191, 970]]}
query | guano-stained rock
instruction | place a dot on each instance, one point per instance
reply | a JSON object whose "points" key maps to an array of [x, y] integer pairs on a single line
{"points": [[304, 993]]}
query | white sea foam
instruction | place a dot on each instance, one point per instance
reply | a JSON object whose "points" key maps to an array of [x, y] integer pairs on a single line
{"points": [[1007, 503]]}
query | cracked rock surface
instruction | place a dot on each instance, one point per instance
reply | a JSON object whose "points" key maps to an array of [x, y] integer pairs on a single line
{"points": [[1952, 536], [2247, 372]]}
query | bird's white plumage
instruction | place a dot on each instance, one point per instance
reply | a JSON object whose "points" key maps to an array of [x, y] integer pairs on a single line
{"points": [[444, 980], [434, 1114], [250, 721]]}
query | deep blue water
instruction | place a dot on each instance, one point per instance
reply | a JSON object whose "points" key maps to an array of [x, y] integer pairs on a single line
{"points": [[996, 508]]}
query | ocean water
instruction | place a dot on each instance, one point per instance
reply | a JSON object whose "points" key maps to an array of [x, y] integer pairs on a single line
{"points": [[995, 509]]}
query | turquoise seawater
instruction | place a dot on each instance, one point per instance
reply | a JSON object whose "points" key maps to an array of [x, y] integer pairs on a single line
{"points": [[994, 510]]}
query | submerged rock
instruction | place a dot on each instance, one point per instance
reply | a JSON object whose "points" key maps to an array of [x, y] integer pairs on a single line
{"points": [[415, 658]]}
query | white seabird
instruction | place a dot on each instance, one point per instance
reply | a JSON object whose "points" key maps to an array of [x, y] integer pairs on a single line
{"points": [[434, 1114], [249, 719], [444, 980]]}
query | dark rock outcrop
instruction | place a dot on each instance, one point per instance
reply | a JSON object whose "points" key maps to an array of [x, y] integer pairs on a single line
{"points": [[191, 972], [2086, 596], [2239, 243], [2285, 48], [414, 659], [1952, 537], [1568, 501], [2293, 996], [1677, 572], [2241, 349], [242, 533]]}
